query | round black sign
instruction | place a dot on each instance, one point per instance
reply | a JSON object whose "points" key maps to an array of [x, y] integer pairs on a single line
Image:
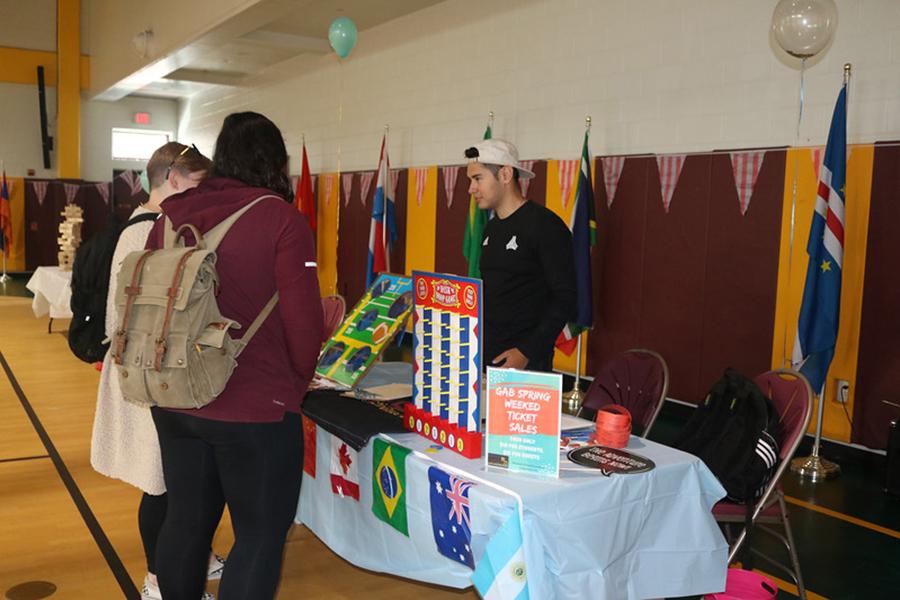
{"points": [[610, 460]]}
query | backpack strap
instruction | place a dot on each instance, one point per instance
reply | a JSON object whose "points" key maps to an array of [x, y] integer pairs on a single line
{"points": [[160, 351], [214, 236], [132, 292], [256, 324]]}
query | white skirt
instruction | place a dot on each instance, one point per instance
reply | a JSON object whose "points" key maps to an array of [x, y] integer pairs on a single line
{"points": [[124, 444]]}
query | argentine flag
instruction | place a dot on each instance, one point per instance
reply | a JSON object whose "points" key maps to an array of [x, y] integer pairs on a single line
{"points": [[501, 573]]}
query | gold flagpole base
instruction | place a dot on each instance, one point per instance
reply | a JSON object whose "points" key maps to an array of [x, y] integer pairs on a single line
{"points": [[815, 468], [572, 401]]}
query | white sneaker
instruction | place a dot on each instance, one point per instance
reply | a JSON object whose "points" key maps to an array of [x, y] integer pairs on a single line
{"points": [[216, 566], [150, 591]]}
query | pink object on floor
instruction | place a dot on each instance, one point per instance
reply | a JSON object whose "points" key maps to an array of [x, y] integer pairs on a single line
{"points": [[746, 585]]}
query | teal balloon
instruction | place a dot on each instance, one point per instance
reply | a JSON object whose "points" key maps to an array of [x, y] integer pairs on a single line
{"points": [[342, 36]]}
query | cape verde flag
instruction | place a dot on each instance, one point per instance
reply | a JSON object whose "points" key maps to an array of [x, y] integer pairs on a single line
{"points": [[817, 326], [450, 519], [383, 231]]}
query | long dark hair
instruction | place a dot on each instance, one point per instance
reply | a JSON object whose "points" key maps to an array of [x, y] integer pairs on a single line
{"points": [[250, 148]]}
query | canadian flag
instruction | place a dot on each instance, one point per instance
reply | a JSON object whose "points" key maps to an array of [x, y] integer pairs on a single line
{"points": [[344, 470]]}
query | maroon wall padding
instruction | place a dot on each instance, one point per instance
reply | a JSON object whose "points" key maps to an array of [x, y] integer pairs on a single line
{"points": [[878, 373], [618, 263], [537, 190], [398, 252], [742, 271], [450, 226], [354, 218], [354, 221], [696, 284], [42, 220], [671, 313]]}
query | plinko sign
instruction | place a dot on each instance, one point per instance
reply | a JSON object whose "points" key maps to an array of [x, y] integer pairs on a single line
{"points": [[523, 422]]}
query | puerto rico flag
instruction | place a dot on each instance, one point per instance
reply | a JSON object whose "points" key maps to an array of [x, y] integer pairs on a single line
{"points": [[817, 326], [383, 231]]}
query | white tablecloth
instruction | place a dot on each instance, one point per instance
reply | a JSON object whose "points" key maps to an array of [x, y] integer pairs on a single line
{"points": [[52, 292], [649, 535]]}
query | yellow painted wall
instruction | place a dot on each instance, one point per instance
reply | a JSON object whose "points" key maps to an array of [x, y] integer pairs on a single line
{"points": [[16, 259], [327, 233], [799, 171], [20, 66], [421, 223]]}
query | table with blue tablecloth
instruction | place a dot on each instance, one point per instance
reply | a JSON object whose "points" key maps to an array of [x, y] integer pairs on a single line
{"points": [[586, 535]]}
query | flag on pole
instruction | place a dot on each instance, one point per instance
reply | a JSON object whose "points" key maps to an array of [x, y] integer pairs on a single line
{"points": [[383, 231], [475, 223], [501, 573], [817, 326], [6, 238], [584, 237], [304, 199]]}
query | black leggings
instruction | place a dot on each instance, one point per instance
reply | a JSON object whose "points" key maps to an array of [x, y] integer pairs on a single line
{"points": [[151, 514], [253, 467]]}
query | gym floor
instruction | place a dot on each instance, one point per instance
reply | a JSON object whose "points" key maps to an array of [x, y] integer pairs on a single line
{"points": [[71, 533]]}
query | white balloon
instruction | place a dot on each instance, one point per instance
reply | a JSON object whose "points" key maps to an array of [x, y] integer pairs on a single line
{"points": [[804, 27]]}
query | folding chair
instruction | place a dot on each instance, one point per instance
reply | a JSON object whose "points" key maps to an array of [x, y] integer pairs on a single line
{"points": [[792, 398], [637, 379], [334, 308]]}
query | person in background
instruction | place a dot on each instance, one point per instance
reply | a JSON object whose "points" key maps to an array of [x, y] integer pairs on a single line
{"points": [[527, 263], [244, 447], [124, 444]]}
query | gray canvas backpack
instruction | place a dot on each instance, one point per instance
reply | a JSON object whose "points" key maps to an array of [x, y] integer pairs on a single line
{"points": [[171, 347]]}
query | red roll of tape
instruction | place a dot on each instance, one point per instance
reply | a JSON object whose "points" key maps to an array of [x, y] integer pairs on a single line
{"points": [[613, 426]]}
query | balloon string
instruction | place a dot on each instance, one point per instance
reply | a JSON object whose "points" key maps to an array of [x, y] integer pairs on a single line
{"points": [[786, 360]]}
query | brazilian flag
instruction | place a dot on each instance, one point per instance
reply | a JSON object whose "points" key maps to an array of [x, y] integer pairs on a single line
{"points": [[389, 484]]}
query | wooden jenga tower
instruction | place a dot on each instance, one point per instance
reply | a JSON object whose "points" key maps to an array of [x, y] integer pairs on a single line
{"points": [[69, 236]]}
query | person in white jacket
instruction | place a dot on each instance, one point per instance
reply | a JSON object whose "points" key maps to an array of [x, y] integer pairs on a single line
{"points": [[124, 444]]}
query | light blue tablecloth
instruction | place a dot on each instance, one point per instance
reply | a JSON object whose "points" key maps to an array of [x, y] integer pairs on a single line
{"points": [[648, 535]]}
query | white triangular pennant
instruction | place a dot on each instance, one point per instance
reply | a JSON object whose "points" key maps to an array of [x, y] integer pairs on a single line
{"points": [[346, 186], [745, 168], [450, 175], [71, 190], [365, 179], [526, 183], [669, 166], [40, 190], [136, 187], [612, 170], [567, 172], [103, 190], [421, 180]]}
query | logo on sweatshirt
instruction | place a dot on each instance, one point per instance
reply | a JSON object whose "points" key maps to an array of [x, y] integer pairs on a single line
{"points": [[512, 244]]}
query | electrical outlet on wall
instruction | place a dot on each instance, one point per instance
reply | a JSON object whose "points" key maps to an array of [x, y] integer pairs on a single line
{"points": [[843, 391]]}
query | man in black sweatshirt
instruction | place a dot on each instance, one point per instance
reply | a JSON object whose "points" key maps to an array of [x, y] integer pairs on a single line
{"points": [[527, 263]]}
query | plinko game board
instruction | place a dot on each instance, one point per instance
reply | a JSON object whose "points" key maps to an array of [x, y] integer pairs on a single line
{"points": [[447, 371], [374, 321]]}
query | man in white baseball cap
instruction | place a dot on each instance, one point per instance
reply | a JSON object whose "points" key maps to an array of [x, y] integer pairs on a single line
{"points": [[527, 262]]}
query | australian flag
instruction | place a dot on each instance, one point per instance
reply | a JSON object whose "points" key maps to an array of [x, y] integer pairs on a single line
{"points": [[817, 326], [450, 516]]}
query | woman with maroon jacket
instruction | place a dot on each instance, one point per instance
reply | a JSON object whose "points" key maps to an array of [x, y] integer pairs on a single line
{"points": [[245, 447]]}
